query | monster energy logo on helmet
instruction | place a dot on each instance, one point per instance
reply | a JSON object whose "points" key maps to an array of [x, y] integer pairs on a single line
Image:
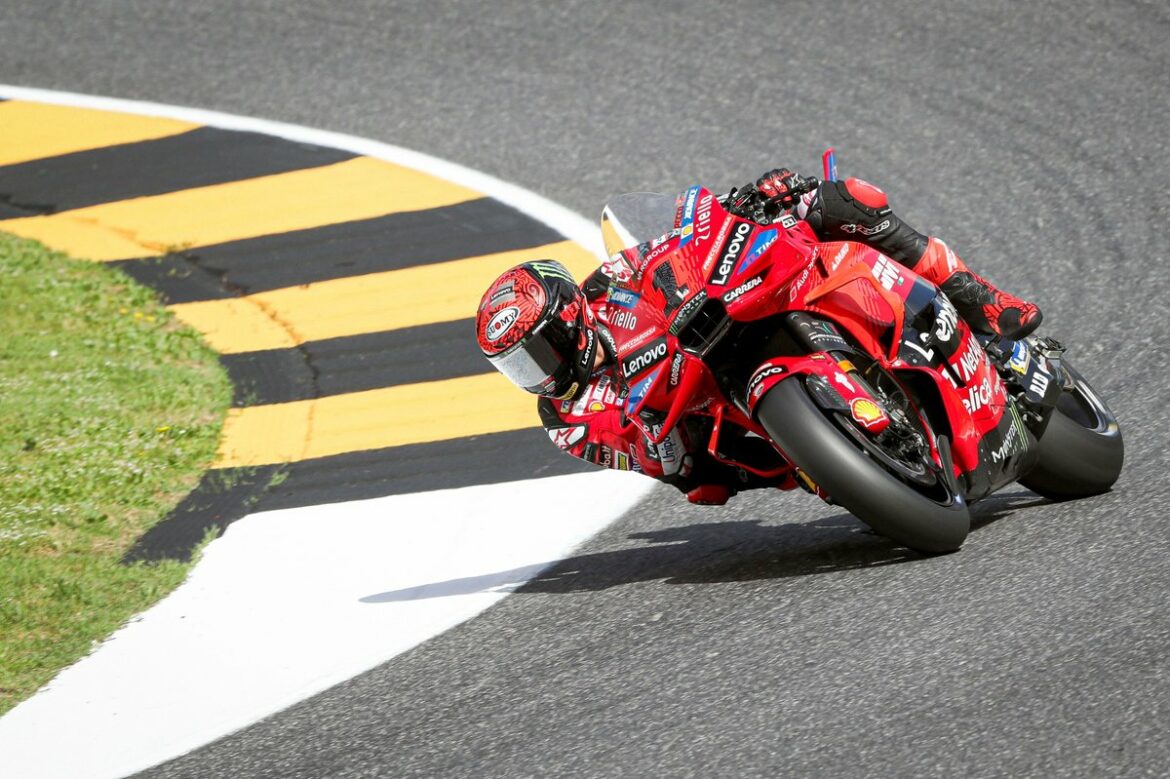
{"points": [[552, 268]]}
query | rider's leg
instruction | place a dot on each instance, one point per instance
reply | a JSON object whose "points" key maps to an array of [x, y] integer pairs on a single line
{"points": [[985, 307], [854, 210]]}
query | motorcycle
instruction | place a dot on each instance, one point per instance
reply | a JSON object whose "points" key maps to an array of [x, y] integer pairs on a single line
{"points": [[871, 391]]}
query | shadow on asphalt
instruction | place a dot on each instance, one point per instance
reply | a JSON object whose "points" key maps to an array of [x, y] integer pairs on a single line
{"points": [[712, 552]]}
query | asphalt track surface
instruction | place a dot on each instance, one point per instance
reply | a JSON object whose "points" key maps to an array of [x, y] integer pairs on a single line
{"points": [[773, 636]]}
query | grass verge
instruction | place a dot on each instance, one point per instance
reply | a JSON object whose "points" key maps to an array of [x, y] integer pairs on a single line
{"points": [[110, 411]]}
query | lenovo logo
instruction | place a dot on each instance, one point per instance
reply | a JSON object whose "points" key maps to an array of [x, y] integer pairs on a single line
{"points": [[655, 352], [731, 252]]}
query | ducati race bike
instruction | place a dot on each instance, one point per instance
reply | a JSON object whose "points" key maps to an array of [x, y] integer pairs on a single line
{"points": [[873, 393]]}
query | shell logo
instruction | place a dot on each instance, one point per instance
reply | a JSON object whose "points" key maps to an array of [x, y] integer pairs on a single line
{"points": [[867, 412]]}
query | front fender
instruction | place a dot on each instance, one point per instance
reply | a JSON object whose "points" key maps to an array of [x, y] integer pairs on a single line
{"points": [[836, 387]]}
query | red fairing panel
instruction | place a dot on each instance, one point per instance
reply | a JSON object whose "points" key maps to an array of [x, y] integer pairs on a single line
{"points": [[591, 428]]}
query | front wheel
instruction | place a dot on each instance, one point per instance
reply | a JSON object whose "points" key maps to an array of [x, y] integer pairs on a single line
{"points": [[915, 506], [1081, 451]]}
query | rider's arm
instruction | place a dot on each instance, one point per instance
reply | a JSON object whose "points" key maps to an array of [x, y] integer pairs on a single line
{"points": [[597, 432], [593, 428]]}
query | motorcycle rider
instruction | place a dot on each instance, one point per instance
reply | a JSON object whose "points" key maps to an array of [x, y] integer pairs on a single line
{"points": [[551, 337]]}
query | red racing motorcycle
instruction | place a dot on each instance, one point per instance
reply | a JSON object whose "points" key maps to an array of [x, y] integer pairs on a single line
{"points": [[872, 392]]}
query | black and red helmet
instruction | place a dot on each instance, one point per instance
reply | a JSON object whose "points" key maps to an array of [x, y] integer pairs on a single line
{"points": [[535, 327]]}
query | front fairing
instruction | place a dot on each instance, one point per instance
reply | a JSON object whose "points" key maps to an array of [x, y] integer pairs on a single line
{"points": [[696, 259]]}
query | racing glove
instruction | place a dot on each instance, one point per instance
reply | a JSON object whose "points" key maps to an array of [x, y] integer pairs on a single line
{"points": [[783, 188]]}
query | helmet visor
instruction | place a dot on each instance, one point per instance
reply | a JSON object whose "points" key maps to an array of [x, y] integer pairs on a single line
{"points": [[537, 364]]}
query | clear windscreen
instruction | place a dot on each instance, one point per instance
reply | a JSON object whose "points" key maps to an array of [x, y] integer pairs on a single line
{"points": [[636, 217]]}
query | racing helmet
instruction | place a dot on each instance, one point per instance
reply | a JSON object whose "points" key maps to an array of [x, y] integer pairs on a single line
{"points": [[535, 327]]}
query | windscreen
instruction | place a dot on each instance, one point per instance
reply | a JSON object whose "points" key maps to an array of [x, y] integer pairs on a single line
{"points": [[634, 218]]}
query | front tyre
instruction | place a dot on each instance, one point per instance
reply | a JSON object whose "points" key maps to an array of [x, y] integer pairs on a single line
{"points": [[1081, 451], [892, 505]]}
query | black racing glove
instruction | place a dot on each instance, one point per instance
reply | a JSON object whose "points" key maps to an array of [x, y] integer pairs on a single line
{"points": [[783, 188]]}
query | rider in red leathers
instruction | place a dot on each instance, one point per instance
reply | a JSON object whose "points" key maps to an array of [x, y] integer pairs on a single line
{"points": [[552, 337]]}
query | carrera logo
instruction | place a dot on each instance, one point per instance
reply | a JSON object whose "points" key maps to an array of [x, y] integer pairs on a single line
{"points": [[731, 253], [676, 368], [501, 323], [654, 353], [747, 286]]}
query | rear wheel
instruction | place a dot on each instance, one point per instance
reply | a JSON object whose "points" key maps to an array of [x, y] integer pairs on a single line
{"points": [[890, 482], [1081, 451]]}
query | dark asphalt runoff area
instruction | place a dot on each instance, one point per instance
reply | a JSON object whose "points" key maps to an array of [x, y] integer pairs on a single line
{"points": [[773, 636]]}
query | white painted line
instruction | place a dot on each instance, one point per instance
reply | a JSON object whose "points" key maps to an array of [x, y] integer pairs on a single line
{"points": [[289, 603]]}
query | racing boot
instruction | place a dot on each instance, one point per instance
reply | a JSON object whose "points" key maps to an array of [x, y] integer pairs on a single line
{"points": [[984, 307]]}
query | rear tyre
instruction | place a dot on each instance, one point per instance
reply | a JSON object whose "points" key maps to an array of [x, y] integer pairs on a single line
{"points": [[1081, 451], [924, 513]]}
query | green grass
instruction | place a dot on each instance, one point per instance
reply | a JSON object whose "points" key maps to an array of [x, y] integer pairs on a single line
{"points": [[110, 411]]}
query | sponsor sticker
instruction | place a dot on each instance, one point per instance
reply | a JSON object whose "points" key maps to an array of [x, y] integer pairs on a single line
{"points": [[761, 244], [866, 412], [946, 321], [676, 368], [638, 393], [506, 293], [755, 387], [747, 286], [730, 253], [597, 396], [565, 437], [687, 224], [653, 353], [1020, 358], [886, 273], [626, 320], [687, 310], [856, 228], [553, 270], [626, 298], [501, 323]]}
